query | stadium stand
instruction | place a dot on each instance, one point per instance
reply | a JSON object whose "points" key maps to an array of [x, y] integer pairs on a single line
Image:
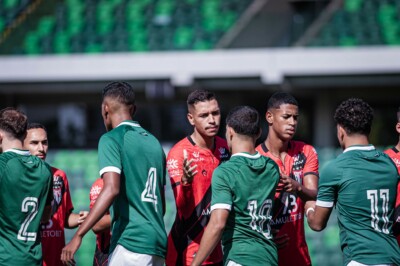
{"points": [[360, 23], [87, 26]]}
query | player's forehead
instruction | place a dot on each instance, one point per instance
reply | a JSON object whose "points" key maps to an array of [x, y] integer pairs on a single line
{"points": [[286, 109], [205, 106], [36, 134]]}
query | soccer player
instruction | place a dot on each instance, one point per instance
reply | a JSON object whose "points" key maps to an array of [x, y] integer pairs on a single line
{"points": [[52, 233], [101, 228], [243, 192], [25, 194], [190, 165], [298, 164], [362, 183], [394, 154], [132, 164]]}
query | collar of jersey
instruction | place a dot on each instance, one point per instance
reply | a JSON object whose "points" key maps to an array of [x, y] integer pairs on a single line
{"points": [[129, 123], [360, 148], [20, 152], [254, 156]]}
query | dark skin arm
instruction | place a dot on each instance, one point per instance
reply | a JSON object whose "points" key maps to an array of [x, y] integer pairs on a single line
{"points": [[317, 218], [103, 224], [307, 191], [46, 216], [102, 204]]}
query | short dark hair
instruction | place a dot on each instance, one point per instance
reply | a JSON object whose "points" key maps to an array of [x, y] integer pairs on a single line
{"points": [[13, 122], [279, 98], [245, 120], [199, 95], [35, 126], [121, 91], [355, 116]]}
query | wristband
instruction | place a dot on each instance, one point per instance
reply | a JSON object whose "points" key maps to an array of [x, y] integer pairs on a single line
{"points": [[308, 210]]}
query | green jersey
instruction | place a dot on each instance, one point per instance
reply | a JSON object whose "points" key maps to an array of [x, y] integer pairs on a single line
{"points": [[137, 212], [25, 189], [362, 183], [245, 185]]}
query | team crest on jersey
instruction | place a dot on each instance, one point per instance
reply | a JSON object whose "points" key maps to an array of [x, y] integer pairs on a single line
{"points": [[58, 192], [172, 164], [299, 161]]}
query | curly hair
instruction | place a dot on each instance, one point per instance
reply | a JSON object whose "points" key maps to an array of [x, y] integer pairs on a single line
{"points": [[245, 120], [355, 116], [13, 122], [121, 91]]}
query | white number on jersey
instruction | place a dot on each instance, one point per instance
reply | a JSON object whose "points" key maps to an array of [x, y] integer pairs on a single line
{"points": [[258, 221], [149, 192], [22, 233], [290, 204], [372, 195]]}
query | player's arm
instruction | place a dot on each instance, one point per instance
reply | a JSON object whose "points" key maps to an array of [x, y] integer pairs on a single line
{"points": [[317, 216], [75, 219], [107, 195], [212, 235], [103, 224], [46, 216]]}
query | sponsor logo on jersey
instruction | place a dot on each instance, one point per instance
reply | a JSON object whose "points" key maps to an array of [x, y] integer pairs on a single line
{"points": [[299, 161], [206, 212], [223, 154], [94, 192], [51, 233], [196, 154], [396, 162], [174, 173], [172, 164], [286, 219]]}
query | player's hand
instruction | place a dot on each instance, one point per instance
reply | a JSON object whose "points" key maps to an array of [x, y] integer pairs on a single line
{"points": [[289, 184], [82, 216], [189, 170], [280, 241], [67, 254]]}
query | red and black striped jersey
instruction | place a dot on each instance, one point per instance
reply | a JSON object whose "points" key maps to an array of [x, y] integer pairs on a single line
{"points": [[192, 200], [288, 213]]}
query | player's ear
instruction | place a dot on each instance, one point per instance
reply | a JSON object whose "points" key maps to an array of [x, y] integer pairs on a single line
{"points": [[340, 133], [398, 127], [269, 117], [259, 133], [190, 118]]}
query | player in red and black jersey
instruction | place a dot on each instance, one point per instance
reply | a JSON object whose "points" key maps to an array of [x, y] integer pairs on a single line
{"points": [[101, 228], [298, 164], [394, 154], [190, 165]]}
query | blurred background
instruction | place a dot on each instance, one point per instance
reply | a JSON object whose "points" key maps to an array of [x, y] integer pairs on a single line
{"points": [[57, 55]]}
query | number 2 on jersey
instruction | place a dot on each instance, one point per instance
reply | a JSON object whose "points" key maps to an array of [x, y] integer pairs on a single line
{"points": [[372, 195], [22, 233], [258, 221], [149, 192]]}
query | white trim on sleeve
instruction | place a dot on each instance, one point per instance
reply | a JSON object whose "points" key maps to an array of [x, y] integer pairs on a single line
{"points": [[221, 206], [326, 204], [110, 169]]}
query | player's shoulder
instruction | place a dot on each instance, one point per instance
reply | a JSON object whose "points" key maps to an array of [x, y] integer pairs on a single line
{"points": [[57, 171], [301, 146], [183, 144], [220, 142]]}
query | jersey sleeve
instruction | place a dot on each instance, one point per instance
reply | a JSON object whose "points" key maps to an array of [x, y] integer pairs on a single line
{"points": [[311, 166], [109, 155], [67, 195], [328, 186], [221, 191], [175, 171]]}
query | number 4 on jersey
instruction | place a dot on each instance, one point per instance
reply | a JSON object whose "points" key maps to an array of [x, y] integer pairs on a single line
{"points": [[149, 193]]}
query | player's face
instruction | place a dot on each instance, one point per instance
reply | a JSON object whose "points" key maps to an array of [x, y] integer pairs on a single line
{"points": [[205, 117], [283, 120], [36, 142]]}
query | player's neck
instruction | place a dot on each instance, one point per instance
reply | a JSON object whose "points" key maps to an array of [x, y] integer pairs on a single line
{"points": [[243, 146], [201, 141], [276, 146], [118, 118], [355, 140], [12, 144]]}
